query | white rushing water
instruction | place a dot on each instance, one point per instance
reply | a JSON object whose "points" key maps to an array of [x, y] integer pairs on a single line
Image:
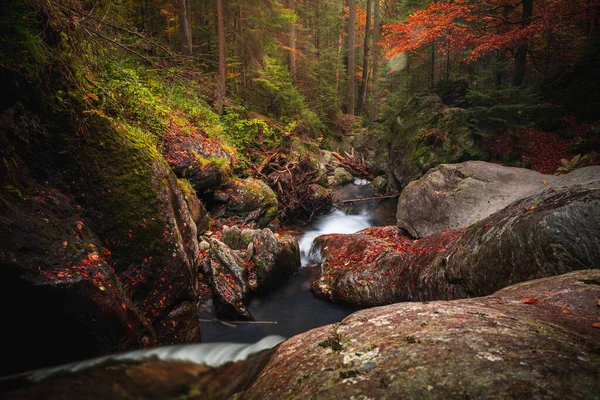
{"points": [[361, 182], [209, 354], [336, 222]]}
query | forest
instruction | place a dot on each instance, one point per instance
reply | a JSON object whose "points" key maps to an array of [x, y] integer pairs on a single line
{"points": [[300, 199]]}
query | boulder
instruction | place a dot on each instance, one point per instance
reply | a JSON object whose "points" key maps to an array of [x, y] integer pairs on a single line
{"points": [[546, 234], [533, 340], [341, 176], [424, 134], [458, 195], [274, 258], [229, 282], [380, 184], [127, 196], [58, 287], [198, 158], [250, 200], [136, 206], [371, 146]]}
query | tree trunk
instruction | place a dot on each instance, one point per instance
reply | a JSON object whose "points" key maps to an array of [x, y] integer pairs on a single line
{"points": [[365, 74], [222, 89], [521, 55], [351, 50], [432, 69], [290, 4], [184, 26], [376, 55]]}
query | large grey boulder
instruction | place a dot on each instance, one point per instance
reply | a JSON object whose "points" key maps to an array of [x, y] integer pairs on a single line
{"points": [[458, 195]]}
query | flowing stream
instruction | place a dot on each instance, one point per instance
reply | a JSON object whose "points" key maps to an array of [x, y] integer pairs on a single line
{"points": [[292, 308]]}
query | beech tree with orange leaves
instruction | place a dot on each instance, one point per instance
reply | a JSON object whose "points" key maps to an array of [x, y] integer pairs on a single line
{"points": [[524, 31]]}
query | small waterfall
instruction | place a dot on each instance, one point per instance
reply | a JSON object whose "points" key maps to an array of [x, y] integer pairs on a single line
{"points": [[336, 222]]}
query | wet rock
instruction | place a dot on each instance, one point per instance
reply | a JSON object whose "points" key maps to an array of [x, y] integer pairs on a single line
{"points": [[274, 259], [251, 200], [232, 237], [547, 234], [149, 379], [341, 176], [229, 282], [489, 347], [458, 195], [380, 184], [58, 289]]}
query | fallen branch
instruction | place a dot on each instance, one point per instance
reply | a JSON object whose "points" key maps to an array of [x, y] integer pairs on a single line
{"points": [[230, 323], [370, 198]]}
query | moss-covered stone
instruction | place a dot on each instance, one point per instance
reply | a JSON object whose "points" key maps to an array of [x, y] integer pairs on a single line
{"points": [[341, 176], [425, 134], [251, 200], [136, 206]]}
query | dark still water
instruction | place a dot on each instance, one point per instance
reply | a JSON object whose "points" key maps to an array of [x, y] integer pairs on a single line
{"points": [[292, 309]]}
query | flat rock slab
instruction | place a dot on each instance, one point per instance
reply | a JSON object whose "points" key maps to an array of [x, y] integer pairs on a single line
{"points": [[492, 347], [454, 196]]}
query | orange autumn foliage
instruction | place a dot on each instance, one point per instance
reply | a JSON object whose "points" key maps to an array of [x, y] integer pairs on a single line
{"points": [[473, 29]]}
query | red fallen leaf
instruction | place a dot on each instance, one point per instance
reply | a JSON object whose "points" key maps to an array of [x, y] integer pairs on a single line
{"points": [[65, 243], [596, 325], [124, 305], [79, 224], [100, 275], [107, 252], [529, 300]]}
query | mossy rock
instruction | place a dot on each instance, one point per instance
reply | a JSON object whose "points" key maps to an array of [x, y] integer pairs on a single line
{"points": [[341, 176], [135, 204], [200, 159], [425, 134], [252, 200]]}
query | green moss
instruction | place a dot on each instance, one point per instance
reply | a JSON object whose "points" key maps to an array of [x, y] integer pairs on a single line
{"points": [[12, 190], [334, 341], [119, 165]]}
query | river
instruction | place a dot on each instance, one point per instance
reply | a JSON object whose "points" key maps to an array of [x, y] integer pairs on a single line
{"points": [[292, 308]]}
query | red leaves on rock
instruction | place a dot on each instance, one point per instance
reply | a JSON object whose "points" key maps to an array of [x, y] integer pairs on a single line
{"points": [[529, 300]]}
